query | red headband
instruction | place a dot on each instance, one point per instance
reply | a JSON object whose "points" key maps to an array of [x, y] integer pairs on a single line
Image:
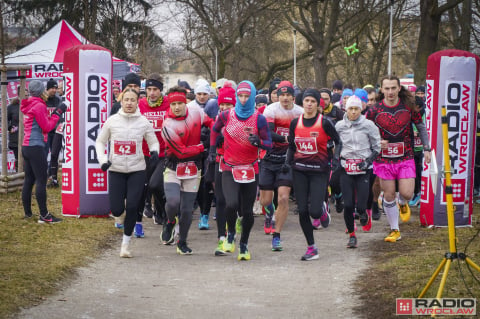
{"points": [[177, 97]]}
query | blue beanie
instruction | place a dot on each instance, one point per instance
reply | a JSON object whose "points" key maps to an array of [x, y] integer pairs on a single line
{"points": [[347, 92], [362, 94]]}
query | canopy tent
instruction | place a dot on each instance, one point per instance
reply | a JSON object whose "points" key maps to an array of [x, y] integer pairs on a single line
{"points": [[45, 55]]}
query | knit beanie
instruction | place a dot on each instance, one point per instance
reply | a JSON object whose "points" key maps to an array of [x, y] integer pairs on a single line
{"points": [[226, 95], [285, 87], [273, 86], [347, 92], [353, 101], [421, 88], [337, 85], [36, 88], [261, 98], [131, 78], [202, 86], [313, 93], [52, 84], [361, 94]]}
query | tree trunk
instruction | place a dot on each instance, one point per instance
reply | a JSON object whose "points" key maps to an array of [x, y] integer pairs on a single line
{"points": [[320, 67]]}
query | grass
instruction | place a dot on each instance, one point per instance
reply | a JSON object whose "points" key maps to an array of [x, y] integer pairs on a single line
{"points": [[36, 258], [402, 270]]}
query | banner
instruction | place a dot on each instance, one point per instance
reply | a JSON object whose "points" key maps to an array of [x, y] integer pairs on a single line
{"points": [[452, 80], [87, 85]]}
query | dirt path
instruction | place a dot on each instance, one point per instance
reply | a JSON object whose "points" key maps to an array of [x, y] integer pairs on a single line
{"points": [[158, 283]]}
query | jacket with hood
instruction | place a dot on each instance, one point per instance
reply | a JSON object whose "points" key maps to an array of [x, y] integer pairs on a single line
{"points": [[125, 132], [359, 138], [36, 121]]}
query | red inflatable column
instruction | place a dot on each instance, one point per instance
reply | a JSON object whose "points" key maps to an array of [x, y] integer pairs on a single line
{"points": [[87, 74], [452, 80]]}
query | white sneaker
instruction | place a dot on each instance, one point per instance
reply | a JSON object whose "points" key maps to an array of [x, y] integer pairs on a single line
{"points": [[124, 252], [257, 208]]}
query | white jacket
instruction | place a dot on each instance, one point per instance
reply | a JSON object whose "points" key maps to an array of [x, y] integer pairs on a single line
{"points": [[125, 132]]}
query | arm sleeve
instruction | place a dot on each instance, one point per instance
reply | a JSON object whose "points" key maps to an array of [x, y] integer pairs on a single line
{"points": [[176, 146], [101, 142], [275, 137], [264, 133], [422, 132], [292, 148], [217, 127]]}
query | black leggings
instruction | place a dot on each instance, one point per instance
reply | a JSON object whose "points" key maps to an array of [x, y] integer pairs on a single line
{"points": [[239, 197], [126, 190], [220, 207], [355, 189], [179, 203], [155, 185], [56, 147], [205, 190], [310, 187], [35, 167], [418, 158]]}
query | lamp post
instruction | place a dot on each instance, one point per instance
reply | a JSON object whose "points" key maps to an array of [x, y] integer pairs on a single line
{"points": [[390, 41], [294, 57]]}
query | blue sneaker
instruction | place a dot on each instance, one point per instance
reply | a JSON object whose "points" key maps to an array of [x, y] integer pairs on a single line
{"points": [[138, 231], [415, 200], [203, 224], [276, 244]]}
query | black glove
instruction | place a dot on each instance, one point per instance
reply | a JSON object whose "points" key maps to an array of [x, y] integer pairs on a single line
{"points": [[285, 168], [106, 165], [363, 165], [60, 109], [220, 140], [254, 140], [153, 161], [212, 154], [335, 164]]}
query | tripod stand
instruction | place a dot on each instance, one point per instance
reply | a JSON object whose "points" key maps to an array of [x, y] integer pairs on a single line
{"points": [[452, 253]]}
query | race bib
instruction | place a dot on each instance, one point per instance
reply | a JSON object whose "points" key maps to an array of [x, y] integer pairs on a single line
{"points": [[351, 166], [124, 147], [306, 145], [243, 174], [187, 170], [393, 150], [59, 128], [283, 131], [157, 121], [417, 141]]}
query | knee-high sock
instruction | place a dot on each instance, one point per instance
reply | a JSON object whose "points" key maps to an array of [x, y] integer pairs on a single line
{"points": [[391, 210]]}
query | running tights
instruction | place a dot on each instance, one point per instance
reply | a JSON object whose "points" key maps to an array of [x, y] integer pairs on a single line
{"points": [[355, 189], [179, 203], [35, 167], [220, 207]]}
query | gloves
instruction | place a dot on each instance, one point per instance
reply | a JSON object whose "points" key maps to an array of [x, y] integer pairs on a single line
{"points": [[153, 159], [106, 165], [220, 140], [335, 164], [285, 168], [363, 166], [254, 140], [212, 154], [60, 109]]}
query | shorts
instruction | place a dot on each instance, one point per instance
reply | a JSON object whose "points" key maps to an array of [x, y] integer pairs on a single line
{"points": [[271, 177], [395, 171], [186, 185]]}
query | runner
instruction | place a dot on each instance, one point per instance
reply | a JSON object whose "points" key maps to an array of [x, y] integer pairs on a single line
{"points": [[308, 159], [394, 114], [279, 116], [245, 131], [226, 100], [360, 146], [181, 132], [154, 107], [125, 132]]}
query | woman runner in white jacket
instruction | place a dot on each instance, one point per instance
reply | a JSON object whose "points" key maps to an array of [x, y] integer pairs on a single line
{"points": [[125, 132]]}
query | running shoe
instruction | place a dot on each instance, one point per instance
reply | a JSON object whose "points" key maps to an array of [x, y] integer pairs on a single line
{"points": [[393, 236], [352, 242], [325, 218], [375, 211], [219, 251], [339, 203], [405, 213], [311, 254], [49, 219], [276, 244], [415, 200], [316, 223], [368, 226], [53, 183], [168, 232], [147, 211], [119, 221], [203, 224], [267, 226], [157, 218], [124, 252], [229, 244], [183, 249], [138, 231], [363, 218], [27, 215], [243, 253], [238, 225]]}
